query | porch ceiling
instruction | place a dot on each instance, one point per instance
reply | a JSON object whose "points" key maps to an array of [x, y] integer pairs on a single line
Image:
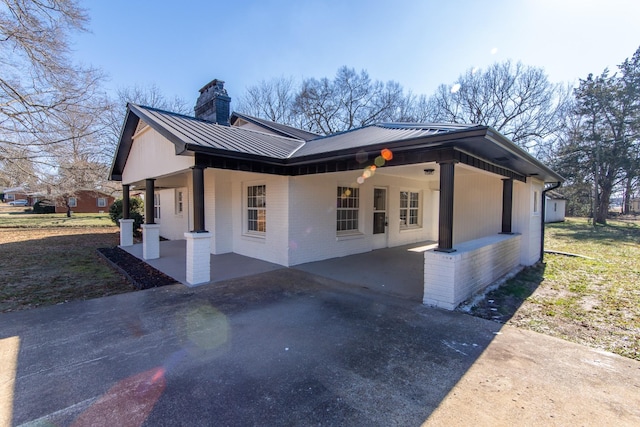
{"points": [[175, 180]]}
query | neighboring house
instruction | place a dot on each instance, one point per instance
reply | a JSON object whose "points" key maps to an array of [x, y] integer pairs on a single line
{"points": [[555, 207], [234, 183], [634, 205], [15, 193], [87, 201]]}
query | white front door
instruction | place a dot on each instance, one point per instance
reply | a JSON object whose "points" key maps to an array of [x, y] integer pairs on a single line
{"points": [[379, 237]]}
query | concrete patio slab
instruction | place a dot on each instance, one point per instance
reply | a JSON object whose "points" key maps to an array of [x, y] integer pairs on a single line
{"points": [[173, 263], [398, 271], [289, 348]]}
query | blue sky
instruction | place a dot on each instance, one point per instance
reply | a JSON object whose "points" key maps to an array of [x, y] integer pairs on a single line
{"points": [[180, 46]]}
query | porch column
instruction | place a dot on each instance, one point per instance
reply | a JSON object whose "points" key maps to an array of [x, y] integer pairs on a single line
{"points": [[148, 201], [150, 230], [445, 222], [125, 201], [198, 199], [507, 205], [126, 224], [198, 240]]}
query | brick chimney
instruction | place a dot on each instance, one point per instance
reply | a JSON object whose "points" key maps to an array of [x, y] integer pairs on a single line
{"points": [[213, 103]]}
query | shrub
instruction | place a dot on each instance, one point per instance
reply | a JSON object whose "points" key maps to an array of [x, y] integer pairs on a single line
{"points": [[136, 208], [44, 206]]}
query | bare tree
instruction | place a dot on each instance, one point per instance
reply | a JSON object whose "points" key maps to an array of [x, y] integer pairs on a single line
{"points": [[516, 100], [271, 100], [348, 101], [38, 82], [149, 96]]}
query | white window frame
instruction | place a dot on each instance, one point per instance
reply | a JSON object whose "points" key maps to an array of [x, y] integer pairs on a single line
{"points": [[255, 209], [104, 202], [347, 210], [156, 206], [179, 201], [73, 202], [408, 209]]}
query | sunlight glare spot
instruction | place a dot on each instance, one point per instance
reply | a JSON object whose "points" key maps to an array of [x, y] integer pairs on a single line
{"points": [[494, 51], [455, 88], [205, 327], [9, 362]]}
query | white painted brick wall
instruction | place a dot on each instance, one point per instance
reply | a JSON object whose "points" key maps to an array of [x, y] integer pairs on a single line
{"points": [[312, 217], [150, 241], [173, 224], [126, 232], [451, 278], [198, 258], [477, 206]]}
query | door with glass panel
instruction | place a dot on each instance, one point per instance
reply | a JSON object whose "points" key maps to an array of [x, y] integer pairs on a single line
{"points": [[380, 218]]}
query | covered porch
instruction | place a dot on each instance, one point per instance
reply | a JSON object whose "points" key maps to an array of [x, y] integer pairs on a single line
{"points": [[398, 271]]}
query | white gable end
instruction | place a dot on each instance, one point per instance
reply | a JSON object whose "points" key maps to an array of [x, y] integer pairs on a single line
{"points": [[151, 156]]}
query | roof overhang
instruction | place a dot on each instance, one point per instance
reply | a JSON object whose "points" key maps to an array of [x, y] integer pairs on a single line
{"points": [[478, 146]]}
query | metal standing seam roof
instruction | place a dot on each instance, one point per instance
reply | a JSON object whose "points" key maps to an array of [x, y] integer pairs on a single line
{"points": [[284, 130], [374, 135], [195, 132], [190, 134]]}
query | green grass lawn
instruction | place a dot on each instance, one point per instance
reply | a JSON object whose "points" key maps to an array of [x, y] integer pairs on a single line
{"points": [[593, 301], [29, 220]]}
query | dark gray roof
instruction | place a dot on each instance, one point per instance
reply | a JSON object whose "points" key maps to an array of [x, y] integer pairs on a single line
{"points": [[191, 135], [191, 132], [383, 133], [281, 129]]}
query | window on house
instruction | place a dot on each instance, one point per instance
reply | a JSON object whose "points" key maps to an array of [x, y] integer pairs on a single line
{"points": [[156, 205], [409, 209], [179, 201], [257, 208], [555, 206], [102, 202], [348, 204], [73, 202], [536, 196]]}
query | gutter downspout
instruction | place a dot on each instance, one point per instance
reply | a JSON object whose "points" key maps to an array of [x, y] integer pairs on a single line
{"points": [[544, 210]]}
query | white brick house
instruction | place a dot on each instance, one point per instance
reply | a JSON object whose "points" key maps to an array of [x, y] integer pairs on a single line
{"points": [[260, 189]]}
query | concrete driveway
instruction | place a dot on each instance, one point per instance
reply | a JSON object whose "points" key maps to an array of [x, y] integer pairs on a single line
{"points": [[290, 348]]}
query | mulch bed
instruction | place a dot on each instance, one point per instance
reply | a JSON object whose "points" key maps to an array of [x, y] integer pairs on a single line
{"points": [[138, 272]]}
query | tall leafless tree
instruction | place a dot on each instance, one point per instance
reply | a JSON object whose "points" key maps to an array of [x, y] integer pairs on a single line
{"points": [[517, 100], [271, 100], [349, 101], [38, 81]]}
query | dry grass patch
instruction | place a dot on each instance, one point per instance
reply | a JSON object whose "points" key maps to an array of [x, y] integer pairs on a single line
{"points": [[45, 266], [595, 302]]}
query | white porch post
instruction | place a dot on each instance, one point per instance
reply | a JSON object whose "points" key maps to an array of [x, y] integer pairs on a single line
{"points": [[150, 241], [198, 257], [126, 232]]}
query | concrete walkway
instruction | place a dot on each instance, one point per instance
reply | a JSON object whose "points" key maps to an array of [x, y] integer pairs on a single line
{"points": [[398, 271], [287, 347]]}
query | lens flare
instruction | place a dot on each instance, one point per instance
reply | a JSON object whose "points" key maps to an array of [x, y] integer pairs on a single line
{"points": [[361, 157], [360, 180], [386, 154], [455, 88], [379, 161], [204, 327]]}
